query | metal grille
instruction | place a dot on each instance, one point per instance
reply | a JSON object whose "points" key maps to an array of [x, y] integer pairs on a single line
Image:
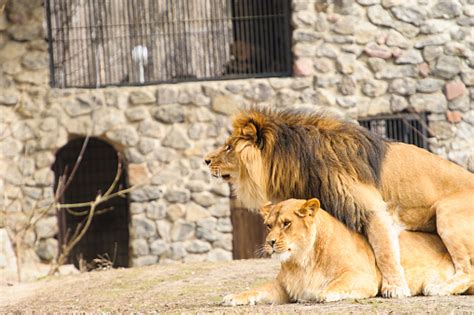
{"points": [[108, 234], [95, 43], [407, 128]]}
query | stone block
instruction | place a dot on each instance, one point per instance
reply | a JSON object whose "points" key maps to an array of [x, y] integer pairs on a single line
{"points": [[159, 247], [198, 247], [138, 174], [303, 67], [46, 227], [195, 212], [182, 230], [170, 114], [141, 97], [140, 247], [143, 227], [227, 104], [454, 89], [176, 139]]}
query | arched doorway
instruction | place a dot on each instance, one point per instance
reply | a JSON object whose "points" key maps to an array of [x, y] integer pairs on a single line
{"points": [[108, 234]]}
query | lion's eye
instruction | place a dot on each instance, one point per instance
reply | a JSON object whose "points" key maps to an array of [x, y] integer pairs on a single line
{"points": [[228, 148], [269, 227], [286, 224]]}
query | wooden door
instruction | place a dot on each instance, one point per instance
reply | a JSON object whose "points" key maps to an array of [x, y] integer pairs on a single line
{"points": [[248, 231]]}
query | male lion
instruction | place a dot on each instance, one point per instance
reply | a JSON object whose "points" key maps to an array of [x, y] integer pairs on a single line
{"points": [[324, 261], [374, 186]]}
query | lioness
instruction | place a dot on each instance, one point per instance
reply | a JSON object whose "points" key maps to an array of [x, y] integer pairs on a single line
{"points": [[374, 186], [322, 260]]}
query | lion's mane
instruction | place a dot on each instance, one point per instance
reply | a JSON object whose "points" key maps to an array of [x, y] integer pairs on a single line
{"points": [[306, 155]]}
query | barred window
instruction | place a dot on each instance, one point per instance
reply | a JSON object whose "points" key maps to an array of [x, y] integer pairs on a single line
{"points": [[405, 127], [96, 43]]}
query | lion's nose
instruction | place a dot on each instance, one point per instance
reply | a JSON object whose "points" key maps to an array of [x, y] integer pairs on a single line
{"points": [[271, 242], [207, 161]]}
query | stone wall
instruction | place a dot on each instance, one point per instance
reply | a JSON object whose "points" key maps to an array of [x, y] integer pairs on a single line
{"points": [[355, 59]]}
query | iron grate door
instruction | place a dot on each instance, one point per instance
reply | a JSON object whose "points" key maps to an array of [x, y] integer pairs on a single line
{"points": [[108, 234], [406, 127]]}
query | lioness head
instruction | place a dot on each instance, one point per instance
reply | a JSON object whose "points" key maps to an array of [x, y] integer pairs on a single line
{"points": [[239, 161], [290, 227]]}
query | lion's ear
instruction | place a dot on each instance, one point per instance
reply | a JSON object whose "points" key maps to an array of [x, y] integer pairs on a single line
{"points": [[265, 209], [253, 131], [309, 208]]}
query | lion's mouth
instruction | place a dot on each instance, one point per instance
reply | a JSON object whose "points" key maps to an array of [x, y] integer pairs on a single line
{"points": [[218, 174]]}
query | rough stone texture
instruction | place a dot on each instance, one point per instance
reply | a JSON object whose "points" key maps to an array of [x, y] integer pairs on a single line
{"points": [[170, 114], [198, 247], [47, 249], [47, 227], [143, 227], [454, 89], [447, 67], [412, 56], [352, 59], [140, 247], [159, 247], [429, 85], [435, 102], [404, 86], [7, 254]]}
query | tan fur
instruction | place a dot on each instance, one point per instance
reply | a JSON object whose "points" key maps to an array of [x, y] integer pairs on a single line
{"points": [[375, 187], [325, 261]]}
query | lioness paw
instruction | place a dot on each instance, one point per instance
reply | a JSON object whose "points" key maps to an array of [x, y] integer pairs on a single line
{"points": [[240, 299], [330, 297], [395, 291]]}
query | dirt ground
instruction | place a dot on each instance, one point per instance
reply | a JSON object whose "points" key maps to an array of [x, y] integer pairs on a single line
{"points": [[192, 288]]}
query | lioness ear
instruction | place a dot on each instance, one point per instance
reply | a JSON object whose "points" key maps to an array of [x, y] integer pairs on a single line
{"points": [[309, 208], [253, 131], [265, 209]]}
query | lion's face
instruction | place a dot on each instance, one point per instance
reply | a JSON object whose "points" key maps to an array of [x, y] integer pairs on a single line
{"points": [[290, 227], [240, 162], [223, 163]]}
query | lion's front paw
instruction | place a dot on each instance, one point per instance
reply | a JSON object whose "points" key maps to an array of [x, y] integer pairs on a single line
{"points": [[244, 298], [435, 290], [395, 291]]}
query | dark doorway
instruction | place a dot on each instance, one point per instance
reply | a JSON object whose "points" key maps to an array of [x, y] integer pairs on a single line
{"points": [[108, 234], [248, 231]]}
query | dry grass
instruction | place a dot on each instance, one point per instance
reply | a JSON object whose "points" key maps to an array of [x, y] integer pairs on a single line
{"points": [[191, 288]]}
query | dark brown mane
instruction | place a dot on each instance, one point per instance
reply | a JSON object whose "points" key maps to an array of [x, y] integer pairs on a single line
{"points": [[312, 155]]}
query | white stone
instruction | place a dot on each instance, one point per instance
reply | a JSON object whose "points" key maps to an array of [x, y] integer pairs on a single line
{"points": [[7, 254], [46, 227]]}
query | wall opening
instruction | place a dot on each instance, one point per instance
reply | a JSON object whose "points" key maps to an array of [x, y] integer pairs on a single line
{"points": [[108, 235], [404, 127]]}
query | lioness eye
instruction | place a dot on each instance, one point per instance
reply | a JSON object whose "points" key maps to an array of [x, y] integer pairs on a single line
{"points": [[228, 148], [286, 224]]}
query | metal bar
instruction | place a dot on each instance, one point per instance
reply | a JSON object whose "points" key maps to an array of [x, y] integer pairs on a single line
{"points": [[287, 42], [52, 77], [188, 25]]}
